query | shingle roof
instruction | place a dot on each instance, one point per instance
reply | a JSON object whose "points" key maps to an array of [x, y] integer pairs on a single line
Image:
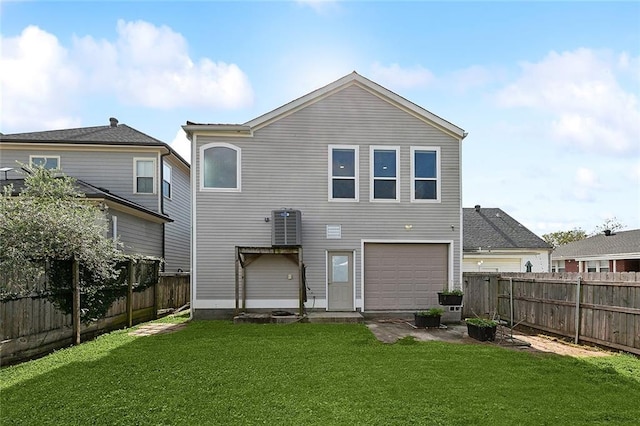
{"points": [[118, 134], [492, 228], [621, 242], [91, 191]]}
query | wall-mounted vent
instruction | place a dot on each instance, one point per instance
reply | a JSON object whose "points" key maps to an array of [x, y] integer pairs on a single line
{"points": [[286, 229]]}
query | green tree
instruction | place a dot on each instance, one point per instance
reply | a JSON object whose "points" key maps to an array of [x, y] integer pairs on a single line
{"points": [[612, 224], [559, 238], [43, 229]]}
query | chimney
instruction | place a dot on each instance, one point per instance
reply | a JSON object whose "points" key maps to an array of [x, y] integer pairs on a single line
{"points": [[477, 208], [607, 232], [113, 121]]}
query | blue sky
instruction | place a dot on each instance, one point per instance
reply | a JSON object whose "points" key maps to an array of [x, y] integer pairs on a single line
{"points": [[548, 91]]}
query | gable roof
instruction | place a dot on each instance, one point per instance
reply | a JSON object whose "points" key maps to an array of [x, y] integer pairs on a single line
{"points": [[92, 192], [350, 79], [491, 228], [113, 134], [621, 244]]}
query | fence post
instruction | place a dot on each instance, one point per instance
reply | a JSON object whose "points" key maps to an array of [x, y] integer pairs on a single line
{"points": [[156, 284], [75, 268], [132, 277], [577, 310]]}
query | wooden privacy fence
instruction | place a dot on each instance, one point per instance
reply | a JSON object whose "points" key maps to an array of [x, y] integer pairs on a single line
{"points": [[601, 308], [30, 326]]}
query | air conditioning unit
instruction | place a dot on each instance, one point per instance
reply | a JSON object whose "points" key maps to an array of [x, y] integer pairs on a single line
{"points": [[286, 230]]}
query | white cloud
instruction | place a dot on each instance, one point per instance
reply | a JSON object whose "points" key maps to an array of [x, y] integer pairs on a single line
{"points": [[396, 77], [35, 76], [146, 65], [182, 145], [586, 184], [472, 77], [321, 7], [581, 90]]}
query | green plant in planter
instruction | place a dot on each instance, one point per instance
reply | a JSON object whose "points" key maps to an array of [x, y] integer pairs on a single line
{"points": [[481, 329], [481, 322], [450, 297], [428, 318]]}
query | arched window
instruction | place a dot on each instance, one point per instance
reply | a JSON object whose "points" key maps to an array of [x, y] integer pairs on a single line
{"points": [[220, 167]]}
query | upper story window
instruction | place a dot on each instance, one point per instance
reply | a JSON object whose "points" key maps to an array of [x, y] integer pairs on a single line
{"points": [[343, 173], [144, 175], [220, 167], [384, 173], [48, 162], [166, 180], [425, 174]]}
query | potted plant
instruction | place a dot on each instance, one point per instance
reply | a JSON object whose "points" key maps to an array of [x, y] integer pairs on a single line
{"points": [[448, 298], [481, 329], [428, 318]]}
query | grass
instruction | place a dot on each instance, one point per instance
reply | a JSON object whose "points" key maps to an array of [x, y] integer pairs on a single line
{"points": [[213, 372]]}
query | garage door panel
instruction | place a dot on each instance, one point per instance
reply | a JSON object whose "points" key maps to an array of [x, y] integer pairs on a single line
{"points": [[404, 276]]}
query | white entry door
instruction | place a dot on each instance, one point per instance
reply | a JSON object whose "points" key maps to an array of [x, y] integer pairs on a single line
{"points": [[340, 281]]}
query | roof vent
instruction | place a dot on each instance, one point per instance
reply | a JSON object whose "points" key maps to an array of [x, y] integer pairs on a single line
{"points": [[607, 232], [477, 207], [113, 121]]}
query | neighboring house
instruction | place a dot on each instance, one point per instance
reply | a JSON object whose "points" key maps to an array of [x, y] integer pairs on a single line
{"points": [[142, 181], [607, 252], [348, 197], [495, 242]]}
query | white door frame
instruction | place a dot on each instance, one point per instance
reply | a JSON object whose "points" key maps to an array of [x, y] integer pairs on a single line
{"points": [[353, 278]]}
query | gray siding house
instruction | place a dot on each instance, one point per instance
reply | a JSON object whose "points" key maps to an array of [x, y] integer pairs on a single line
{"points": [[346, 199], [142, 181]]}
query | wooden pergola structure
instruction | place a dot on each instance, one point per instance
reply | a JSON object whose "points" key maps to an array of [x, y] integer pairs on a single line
{"points": [[247, 255]]}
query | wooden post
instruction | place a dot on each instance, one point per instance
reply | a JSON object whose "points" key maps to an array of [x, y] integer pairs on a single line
{"points": [[302, 284], [237, 263], [76, 301], [132, 277], [577, 310], [156, 265]]}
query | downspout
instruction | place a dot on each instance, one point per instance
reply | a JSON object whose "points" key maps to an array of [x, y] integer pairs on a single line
{"points": [[161, 187]]}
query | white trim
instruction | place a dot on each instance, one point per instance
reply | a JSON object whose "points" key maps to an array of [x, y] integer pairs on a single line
{"points": [[412, 189], [135, 174], [114, 230], [379, 241], [170, 181], [57, 157], [372, 149], [238, 151], [356, 170], [258, 304], [193, 254]]}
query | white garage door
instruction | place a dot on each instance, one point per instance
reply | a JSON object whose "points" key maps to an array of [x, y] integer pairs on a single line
{"points": [[404, 276]]}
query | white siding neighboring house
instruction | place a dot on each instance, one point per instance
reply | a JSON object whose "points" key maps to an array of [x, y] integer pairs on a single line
{"points": [[375, 182], [495, 242], [142, 181]]}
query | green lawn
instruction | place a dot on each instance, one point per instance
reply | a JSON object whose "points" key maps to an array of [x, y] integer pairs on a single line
{"points": [[213, 372]]}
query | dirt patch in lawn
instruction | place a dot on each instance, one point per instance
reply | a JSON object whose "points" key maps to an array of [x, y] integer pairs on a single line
{"points": [[391, 330], [157, 328]]}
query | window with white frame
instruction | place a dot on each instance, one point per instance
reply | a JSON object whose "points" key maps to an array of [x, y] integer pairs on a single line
{"points": [[604, 266], [384, 173], [220, 167], [343, 172], [145, 175], [592, 266], [49, 162], [425, 174], [166, 180], [557, 266]]}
